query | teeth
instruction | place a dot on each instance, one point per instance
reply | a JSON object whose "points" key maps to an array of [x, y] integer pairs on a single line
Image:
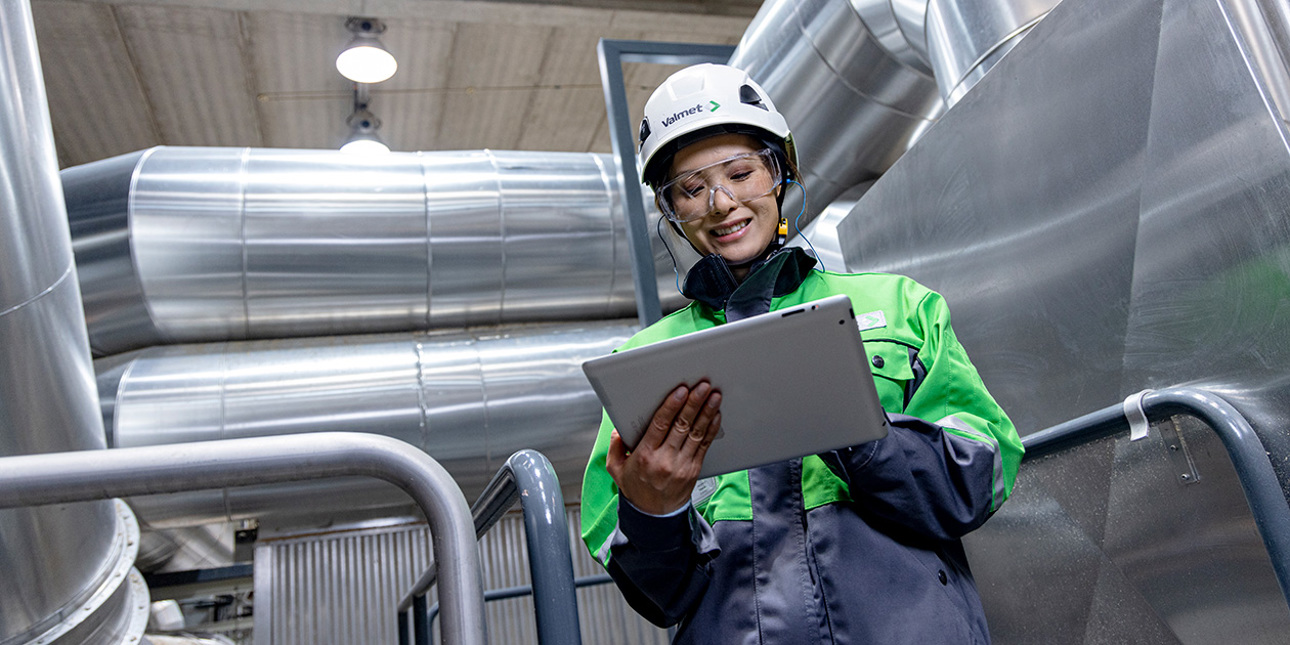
{"points": [[722, 232]]}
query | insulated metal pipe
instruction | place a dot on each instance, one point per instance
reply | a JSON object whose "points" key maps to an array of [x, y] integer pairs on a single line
{"points": [[76, 476], [468, 397], [860, 80], [965, 38], [854, 93], [66, 569], [199, 244]]}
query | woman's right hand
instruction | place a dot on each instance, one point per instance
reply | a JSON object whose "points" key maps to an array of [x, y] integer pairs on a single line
{"points": [[658, 476]]}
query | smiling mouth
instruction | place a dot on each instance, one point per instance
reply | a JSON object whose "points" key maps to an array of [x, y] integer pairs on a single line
{"points": [[733, 228]]}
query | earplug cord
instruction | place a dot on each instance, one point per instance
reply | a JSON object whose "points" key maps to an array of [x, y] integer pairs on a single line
{"points": [[796, 225]]}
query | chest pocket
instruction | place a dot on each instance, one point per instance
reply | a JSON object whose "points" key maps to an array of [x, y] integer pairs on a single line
{"points": [[893, 365]]}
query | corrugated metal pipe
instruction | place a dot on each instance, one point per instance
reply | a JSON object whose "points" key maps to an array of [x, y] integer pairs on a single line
{"points": [[182, 245], [66, 569]]}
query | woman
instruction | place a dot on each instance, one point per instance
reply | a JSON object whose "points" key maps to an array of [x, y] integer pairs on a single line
{"points": [[853, 546]]}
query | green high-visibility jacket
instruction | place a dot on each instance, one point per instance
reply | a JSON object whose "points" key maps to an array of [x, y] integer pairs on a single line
{"points": [[853, 546]]}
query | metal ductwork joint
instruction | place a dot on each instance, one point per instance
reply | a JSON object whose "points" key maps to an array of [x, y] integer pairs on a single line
{"points": [[67, 569], [965, 38]]}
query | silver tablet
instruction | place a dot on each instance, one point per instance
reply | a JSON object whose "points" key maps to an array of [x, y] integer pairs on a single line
{"points": [[793, 382]]}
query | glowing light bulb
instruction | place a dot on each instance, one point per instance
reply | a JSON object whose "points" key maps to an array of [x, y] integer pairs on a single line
{"points": [[366, 61], [365, 146]]}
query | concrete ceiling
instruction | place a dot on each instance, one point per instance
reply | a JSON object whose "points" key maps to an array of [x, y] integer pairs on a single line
{"points": [[126, 75]]}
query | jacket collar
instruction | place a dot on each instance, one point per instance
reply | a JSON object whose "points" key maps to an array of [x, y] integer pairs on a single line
{"points": [[780, 273]]}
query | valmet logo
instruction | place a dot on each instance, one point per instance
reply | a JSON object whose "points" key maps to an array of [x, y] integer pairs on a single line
{"points": [[668, 121]]}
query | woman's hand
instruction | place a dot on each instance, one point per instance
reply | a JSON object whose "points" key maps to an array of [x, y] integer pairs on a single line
{"points": [[658, 476]]}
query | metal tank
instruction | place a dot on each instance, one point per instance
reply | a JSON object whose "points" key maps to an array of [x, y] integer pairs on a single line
{"points": [[1106, 212], [469, 397], [67, 569], [198, 244]]}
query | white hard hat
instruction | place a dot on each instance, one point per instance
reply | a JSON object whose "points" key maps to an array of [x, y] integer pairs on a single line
{"points": [[700, 101]]}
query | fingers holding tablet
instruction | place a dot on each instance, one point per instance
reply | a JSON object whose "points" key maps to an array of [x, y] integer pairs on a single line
{"points": [[659, 474]]}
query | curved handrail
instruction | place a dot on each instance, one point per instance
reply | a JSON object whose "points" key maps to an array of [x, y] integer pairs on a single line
{"points": [[1258, 480], [56, 478], [527, 476]]}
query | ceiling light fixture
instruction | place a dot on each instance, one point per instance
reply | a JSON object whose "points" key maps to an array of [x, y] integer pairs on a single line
{"points": [[362, 127], [365, 59]]}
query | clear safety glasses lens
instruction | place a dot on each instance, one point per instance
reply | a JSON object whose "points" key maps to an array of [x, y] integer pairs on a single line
{"points": [[743, 178]]}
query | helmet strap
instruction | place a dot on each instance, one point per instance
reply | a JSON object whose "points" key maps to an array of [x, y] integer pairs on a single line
{"points": [[658, 229]]}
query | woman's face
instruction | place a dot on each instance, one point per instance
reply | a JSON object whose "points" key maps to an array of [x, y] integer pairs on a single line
{"points": [[738, 232]]}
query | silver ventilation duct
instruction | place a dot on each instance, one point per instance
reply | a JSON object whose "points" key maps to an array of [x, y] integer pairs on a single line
{"points": [[965, 38], [854, 94], [67, 568], [196, 244], [469, 398], [859, 80]]}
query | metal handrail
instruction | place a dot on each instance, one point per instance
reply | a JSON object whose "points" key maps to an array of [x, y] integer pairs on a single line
{"points": [[526, 477], [1258, 480], [57, 478], [506, 593]]}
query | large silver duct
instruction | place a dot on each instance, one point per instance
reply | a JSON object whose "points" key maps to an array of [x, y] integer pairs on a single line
{"points": [[854, 95], [469, 398], [963, 39], [197, 244], [1106, 212], [860, 80], [66, 569]]}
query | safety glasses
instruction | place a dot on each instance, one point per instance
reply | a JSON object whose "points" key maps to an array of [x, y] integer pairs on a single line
{"points": [[743, 178]]}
